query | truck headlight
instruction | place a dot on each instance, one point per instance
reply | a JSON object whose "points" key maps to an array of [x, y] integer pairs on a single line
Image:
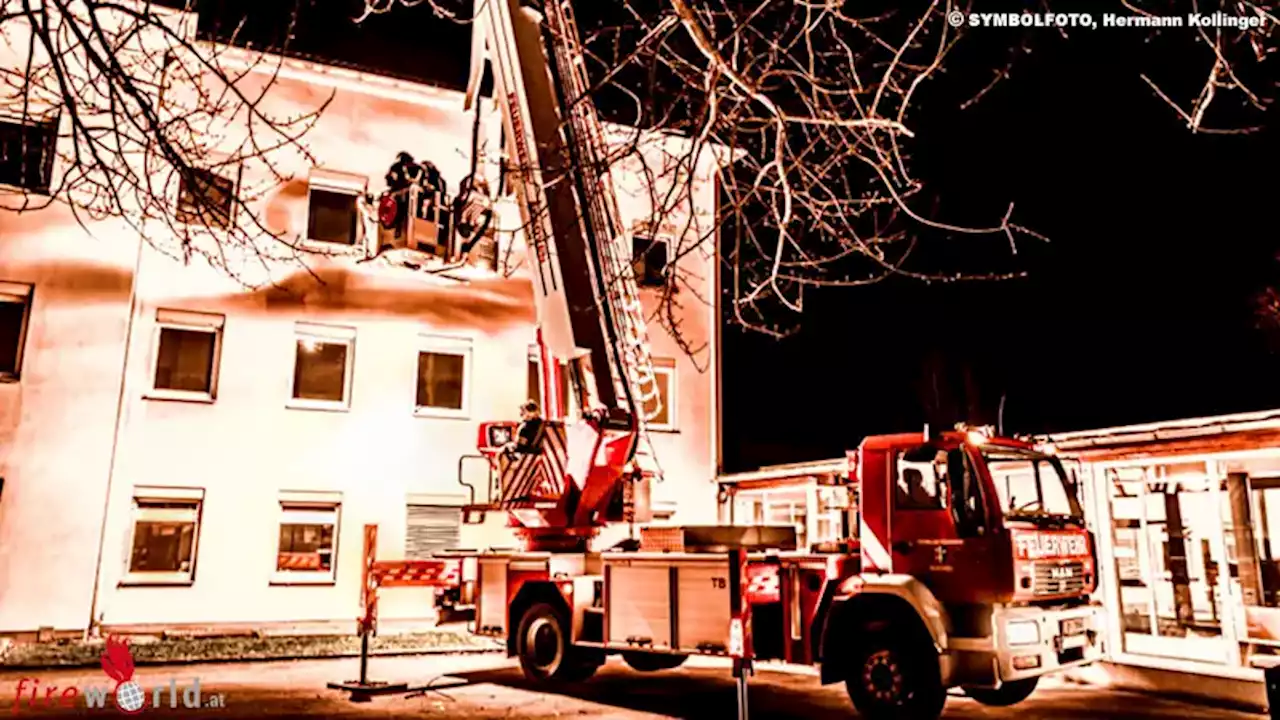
{"points": [[1023, 633]]}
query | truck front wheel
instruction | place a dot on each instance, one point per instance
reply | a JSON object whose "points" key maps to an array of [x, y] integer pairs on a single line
{"points": [[895, 678], [1010, 693], [545, 651]]}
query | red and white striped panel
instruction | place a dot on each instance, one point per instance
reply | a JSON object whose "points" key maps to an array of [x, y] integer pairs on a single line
{"points": [[416, 573], [762, 584]]}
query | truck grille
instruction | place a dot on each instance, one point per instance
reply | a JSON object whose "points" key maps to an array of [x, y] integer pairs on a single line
{"points": [[1058, 578]]}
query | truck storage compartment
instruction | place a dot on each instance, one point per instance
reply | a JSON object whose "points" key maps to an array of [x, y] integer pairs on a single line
{"points": [[702, 606], [491, 610], [638, 604], [672, 603]]}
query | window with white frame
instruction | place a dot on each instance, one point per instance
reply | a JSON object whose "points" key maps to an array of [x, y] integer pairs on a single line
{"points": [[664, 371], [306, 549], [15, 313], [323, 359], [186, 353], [443, 382], [165, 535], [333, 207], [207, 196]]}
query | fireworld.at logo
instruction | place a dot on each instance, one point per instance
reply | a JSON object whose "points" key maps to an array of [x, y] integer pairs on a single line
{"points": [[127, 695]]}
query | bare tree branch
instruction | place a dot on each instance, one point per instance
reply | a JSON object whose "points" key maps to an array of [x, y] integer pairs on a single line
{"points": [[812, 100], [152, 127]]}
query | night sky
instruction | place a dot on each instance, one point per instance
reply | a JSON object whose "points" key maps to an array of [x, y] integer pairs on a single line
{"points": [[1140, 308]]}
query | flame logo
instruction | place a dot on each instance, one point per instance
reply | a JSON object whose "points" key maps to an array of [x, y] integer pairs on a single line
{"points": [[117, 661]]}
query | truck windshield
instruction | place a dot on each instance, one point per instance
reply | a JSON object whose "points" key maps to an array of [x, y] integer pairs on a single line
{"points": [[1030, 484]]}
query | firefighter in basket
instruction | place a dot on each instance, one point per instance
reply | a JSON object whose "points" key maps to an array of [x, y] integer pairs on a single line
{"points": [[404, 174]]}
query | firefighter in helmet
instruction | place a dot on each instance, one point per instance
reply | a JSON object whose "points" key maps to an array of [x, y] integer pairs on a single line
{"points": [[526, 440]]}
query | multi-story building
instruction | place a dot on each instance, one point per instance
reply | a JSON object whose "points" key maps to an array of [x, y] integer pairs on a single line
{"points": [[179, 450]]}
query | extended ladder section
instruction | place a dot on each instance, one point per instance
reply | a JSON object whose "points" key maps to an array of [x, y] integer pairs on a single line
{"points": [[587, 297]]}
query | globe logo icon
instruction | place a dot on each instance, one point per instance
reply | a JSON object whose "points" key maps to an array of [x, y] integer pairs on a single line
{"points": [[130, 697]]}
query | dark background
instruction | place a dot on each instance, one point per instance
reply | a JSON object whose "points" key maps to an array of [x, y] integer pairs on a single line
{"points": [[1141, 307]]}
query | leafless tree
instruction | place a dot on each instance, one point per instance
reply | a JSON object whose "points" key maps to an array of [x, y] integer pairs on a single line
{"points": [[815, 97], [152, 128], [1236, 51]]}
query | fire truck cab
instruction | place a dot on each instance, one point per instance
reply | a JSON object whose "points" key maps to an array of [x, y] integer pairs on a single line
{"points": [[974, 570]]}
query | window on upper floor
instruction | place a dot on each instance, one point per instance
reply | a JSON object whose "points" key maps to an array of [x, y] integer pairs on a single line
{"points": [[306, 550], [664, 371], [333, 207], [207, 197], [649, 259], [27, 151], [15, 313], [166, 530], [443, 382], [322, 367], [186, 349]]}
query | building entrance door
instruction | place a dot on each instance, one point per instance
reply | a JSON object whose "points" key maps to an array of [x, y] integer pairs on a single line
{"points": [[1169, 552]]}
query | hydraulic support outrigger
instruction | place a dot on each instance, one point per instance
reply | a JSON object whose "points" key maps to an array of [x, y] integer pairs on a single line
{"points": [[377, 574]]}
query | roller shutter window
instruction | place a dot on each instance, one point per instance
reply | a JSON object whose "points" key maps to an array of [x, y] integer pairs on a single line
{"points": [[431, 529]]}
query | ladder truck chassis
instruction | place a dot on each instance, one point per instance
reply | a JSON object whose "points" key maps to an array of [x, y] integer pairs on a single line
{"points": [[744, 593], [949, 580]]}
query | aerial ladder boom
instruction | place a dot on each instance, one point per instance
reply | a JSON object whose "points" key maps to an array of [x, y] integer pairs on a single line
{"points": [[587, 298], [588, 304]]}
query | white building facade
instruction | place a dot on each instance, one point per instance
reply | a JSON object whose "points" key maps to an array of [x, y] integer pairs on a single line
{"points": [[178, 451]]}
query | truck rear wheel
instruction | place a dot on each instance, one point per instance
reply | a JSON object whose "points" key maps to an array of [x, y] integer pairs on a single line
{"points": [[1010, 693], [653, 662], [895, 678], [545, 651]]}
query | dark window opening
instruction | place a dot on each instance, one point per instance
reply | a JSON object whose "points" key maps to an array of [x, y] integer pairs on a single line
{"points": [[13, 326], [332, 217], [164, 537], [320, 371], [26, 155], [649, 259], [205, 198], [440, 380], [185, 360]]}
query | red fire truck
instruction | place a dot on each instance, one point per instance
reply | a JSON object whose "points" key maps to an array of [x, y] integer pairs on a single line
{"points": [[967, 564]]}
